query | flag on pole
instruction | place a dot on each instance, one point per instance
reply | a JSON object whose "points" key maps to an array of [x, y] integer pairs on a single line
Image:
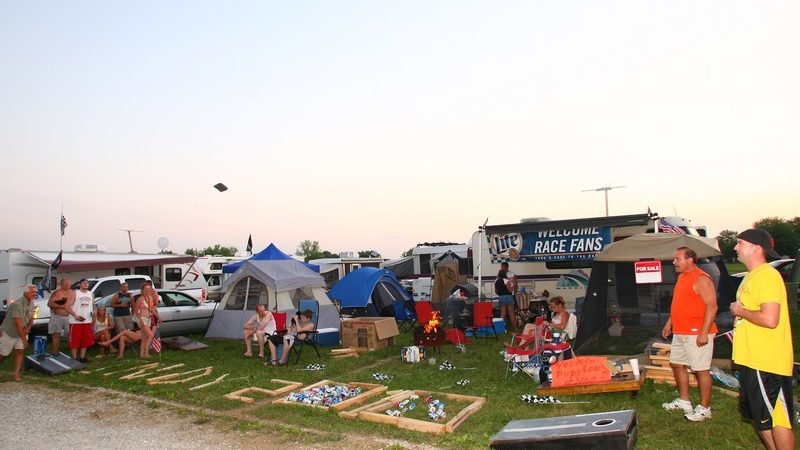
{"points": [[63, 224], [57, 262], [44, 285], [156, 345], [250, 244], [667, 227]]}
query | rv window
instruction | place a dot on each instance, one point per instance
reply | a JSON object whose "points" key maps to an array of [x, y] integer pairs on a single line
{"points": [[213, 280], [53, 282], [215, 266], [174, 274], [143, 270], [122, 271], [425, 264]]}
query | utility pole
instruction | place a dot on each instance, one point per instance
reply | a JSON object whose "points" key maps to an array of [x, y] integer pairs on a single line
{"points": [[130, 241], [605, 189]]}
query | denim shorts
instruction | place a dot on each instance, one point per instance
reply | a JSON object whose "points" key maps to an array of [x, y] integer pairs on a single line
{"points": [[506, 300]]}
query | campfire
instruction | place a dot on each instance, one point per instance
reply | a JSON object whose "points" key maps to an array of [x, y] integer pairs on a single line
{"points": [[430, 334]]}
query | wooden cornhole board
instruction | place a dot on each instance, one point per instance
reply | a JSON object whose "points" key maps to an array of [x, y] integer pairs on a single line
{"points": [[367, 390], [182, 343], [377, 413], [239, 395]]}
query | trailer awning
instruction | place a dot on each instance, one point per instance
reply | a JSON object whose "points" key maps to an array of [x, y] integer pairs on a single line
{"points": [[83, 261]]}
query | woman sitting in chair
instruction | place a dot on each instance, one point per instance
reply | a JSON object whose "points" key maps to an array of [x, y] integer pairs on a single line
{"points": [[562, 320], [300, 323]]}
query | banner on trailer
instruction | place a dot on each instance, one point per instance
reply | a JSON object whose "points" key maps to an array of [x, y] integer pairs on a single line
{"points": [[550, 245]]}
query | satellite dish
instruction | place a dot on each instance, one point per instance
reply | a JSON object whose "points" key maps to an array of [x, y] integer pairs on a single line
{"points": [[163, 243]]}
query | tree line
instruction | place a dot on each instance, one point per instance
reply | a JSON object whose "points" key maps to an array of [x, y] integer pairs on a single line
{"points": [[786, 234], [309, 250]]}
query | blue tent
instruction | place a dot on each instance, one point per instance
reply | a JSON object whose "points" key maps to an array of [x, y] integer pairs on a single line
{"points": [[370, 290], [271, 253]]}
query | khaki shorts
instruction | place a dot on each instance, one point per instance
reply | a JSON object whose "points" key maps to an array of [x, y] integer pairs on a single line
{"points": [[8, 343], [123, 323], [58, 325], [686, 352]]}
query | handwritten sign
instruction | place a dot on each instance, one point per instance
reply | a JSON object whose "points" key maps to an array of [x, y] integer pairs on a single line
{"points": [[581, 371]]}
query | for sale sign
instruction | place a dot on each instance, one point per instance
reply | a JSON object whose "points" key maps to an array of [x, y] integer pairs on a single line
{"points": [[647, 272]]}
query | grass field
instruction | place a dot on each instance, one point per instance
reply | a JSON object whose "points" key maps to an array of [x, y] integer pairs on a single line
{"points": [[481, 364]]}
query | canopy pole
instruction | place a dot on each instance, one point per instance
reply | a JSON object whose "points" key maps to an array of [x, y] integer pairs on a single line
{"points": [[246, 294], [480, 259]]}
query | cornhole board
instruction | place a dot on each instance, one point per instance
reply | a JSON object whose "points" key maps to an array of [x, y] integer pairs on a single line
{"points": [[182, 343], [605, 430], [367, 390], [239, 395], [627, 382], [377, 413], [52, 364]]}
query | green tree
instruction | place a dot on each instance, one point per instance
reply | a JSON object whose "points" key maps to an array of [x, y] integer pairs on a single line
{"points": [[727, 241], [309, 250], [408, 252], [217, 250], [368, 254], [785, 233]]}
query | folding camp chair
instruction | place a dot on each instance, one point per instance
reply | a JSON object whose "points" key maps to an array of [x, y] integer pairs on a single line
{"points": [[404, 316], [524, 360], [424, 311], [482, 319], [311, 336]]}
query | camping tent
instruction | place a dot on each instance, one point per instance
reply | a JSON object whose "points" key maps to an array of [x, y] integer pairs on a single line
{"points": [[277, 283], [271, 253], [369, 291], [614, 296]]}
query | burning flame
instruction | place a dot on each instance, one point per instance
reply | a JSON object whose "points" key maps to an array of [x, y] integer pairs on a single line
{"points": [[433, 324]]}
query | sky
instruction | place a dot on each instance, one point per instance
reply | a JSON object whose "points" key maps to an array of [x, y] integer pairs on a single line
{"points": [[379, 125]]}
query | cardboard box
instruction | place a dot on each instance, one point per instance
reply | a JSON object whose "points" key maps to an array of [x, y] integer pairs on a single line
{"points": [[371, 333]]}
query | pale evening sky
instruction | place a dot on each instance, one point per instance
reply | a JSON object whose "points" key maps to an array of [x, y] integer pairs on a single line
{"points": [[378, 125]]}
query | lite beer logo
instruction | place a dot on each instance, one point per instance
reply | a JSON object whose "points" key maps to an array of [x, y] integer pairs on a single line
{"points": [[507, 245]]}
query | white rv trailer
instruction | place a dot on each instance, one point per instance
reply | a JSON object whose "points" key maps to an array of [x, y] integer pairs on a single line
{"points": [[555, 255], [20, 267], [334, 269], [211, 268]]}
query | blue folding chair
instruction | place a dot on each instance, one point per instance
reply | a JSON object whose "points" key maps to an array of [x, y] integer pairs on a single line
{"points": [[405, 317], [311, 336]]}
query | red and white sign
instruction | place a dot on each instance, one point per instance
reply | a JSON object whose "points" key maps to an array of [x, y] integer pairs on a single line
{"points": [[647, 272]]}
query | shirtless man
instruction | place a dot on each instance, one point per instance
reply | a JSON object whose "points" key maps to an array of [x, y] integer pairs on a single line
{"points": [[59, 317]]}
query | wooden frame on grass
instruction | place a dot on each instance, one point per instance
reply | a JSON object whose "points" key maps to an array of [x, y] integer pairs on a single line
{"points": [[377, 413], [367, 390], [238, 395]]}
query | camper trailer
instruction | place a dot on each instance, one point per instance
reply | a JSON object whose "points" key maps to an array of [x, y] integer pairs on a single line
{"points": [[334, 269], [211, 268], [20, 267], [555, 255]]}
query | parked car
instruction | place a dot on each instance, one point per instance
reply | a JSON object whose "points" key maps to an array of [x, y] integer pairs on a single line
{"points": [[784, 266], [180, 313]]}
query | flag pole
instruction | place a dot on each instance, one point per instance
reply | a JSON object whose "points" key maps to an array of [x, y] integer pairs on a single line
{"points": [[61, 227]]}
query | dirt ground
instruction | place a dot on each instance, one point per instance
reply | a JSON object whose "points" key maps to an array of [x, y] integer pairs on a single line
{"points": [[39, 417]]}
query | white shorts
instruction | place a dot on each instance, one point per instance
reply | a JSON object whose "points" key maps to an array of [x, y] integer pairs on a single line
{"points": [[686, 352], [58, 325], [8, 343]]}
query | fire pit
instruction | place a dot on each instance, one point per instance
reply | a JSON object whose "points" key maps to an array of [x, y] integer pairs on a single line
{"points": [[430, 335]]}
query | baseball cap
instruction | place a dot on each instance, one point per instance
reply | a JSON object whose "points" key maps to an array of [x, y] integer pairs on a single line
{"points": [[762, 238]]}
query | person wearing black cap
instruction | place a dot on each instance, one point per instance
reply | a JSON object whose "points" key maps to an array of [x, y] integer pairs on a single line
{"points": [[762, 342]]}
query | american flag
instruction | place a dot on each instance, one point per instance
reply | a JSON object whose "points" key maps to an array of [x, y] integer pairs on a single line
{"points": [[156, 345], [63, 224], [667, 227]]}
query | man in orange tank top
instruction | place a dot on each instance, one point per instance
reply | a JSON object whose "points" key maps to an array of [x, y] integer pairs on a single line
{"points": [[691, 323]]}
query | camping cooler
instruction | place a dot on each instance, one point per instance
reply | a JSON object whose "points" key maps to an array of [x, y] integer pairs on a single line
{"points": [[328, 337]]}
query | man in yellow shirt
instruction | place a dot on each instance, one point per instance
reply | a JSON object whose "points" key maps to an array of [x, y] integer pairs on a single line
{"points": [[762, 342]]}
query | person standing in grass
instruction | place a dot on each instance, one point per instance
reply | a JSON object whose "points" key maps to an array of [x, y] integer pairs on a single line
{"points": [[691, 323], [58, 325], [80, 308], [762, 342], [15, 327]]}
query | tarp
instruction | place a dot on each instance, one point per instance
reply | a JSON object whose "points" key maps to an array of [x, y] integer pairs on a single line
{"points": [[271, 253], [402, 267], [369, 285], [659, 246]]}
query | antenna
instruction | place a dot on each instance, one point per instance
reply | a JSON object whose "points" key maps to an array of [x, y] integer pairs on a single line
{"points": [[605, 189], [130, 241]]}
